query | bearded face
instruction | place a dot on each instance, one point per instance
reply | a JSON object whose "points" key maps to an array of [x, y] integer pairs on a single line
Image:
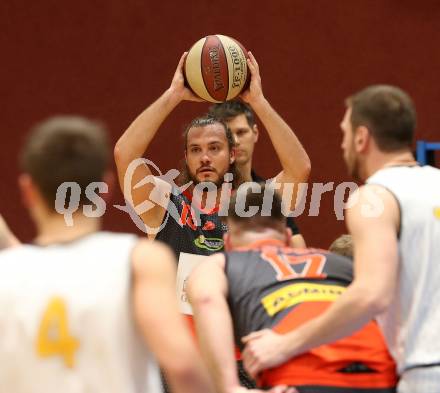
{"points": [[208, 156]]}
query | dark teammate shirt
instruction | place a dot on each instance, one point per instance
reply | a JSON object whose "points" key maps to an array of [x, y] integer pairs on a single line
{"points": [[189, 229], [290, 222], [280, 288]]}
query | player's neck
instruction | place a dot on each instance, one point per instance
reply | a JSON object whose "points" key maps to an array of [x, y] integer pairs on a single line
{"points": [[248, 238], [245, 171], [383, 160], [53, 229]]}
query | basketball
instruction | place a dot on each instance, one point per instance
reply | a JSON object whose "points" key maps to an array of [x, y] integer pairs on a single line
{"points": [[216, 69]]}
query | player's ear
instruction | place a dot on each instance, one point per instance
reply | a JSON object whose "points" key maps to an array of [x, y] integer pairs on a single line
{"points": [[361, 138], [27, 190], [232, 155], [256, 132], [288, 235]]}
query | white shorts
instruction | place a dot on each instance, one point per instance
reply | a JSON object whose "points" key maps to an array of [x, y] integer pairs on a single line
{"points": [[420, 380]]}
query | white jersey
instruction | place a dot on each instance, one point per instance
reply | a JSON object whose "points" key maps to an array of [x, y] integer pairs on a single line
{"points": [[65, 319], [411, 324]]}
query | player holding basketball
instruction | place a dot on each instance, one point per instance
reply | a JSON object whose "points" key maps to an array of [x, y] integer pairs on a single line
{"points": [[209, 155], [76, 304], [240, 119], [395, 224], [260, 282]]}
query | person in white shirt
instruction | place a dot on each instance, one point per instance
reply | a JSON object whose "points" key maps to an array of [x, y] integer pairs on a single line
{"points": [[78, 305]]}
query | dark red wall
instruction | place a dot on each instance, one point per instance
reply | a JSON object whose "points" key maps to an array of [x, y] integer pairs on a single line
{"points": [[110, 59]]}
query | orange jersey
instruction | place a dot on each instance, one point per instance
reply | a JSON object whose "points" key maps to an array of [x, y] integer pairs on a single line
{"points": [[272, 286]]}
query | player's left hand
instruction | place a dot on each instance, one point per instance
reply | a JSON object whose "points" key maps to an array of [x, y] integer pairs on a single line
{"points": [[178, 88], [264, 349], [255, 90]]}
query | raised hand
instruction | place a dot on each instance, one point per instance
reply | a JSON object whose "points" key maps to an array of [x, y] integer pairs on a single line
{"points": [[255, 91], [178, 88]]}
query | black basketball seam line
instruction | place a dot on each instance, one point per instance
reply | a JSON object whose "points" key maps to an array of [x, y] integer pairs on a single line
{"points": [[227, 73], [201, 66], [227, 65]]}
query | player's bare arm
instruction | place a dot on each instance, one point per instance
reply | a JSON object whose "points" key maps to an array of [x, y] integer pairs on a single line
{"points": [[207, 289], [375, 270], [160, 322], [134, 143], [294, 160]]}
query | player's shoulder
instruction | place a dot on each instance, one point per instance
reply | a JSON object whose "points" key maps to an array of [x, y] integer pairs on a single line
{"points": [[151, 247], [148, 255], [111, 236], [371, 201], [16, 251]]}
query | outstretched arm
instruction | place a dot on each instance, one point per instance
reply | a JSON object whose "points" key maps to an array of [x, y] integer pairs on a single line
{"points": [[135, 142], [294, 160], [373, 222], [207, 289], [160, 322]]}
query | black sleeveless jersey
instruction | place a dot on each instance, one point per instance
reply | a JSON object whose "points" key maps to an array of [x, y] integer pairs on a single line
{"points": [[190, 229], [268, 280]]}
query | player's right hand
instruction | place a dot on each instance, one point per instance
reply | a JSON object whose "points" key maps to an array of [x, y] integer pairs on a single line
{"points": [[178, 89]]}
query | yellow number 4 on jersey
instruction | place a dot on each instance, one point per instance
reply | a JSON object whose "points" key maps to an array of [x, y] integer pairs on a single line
{"points": [[53, 335]]}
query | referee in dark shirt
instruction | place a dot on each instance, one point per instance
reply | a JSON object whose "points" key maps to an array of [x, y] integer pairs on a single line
{"points": [[241, 120]]}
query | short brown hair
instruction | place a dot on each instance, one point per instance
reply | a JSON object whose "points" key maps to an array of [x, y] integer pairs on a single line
{"points": [[343, 245], [388, 112], [275, 220], [229, 109], [65, 149]]}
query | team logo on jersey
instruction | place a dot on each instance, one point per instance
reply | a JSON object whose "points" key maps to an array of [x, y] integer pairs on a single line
{"points": [[209, 226], [437, 212], [209, 243], [294, 294]]}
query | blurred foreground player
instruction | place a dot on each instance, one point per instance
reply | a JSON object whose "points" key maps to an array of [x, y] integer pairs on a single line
{"points": [[76, 305], [262, 283], [395, 224]]}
